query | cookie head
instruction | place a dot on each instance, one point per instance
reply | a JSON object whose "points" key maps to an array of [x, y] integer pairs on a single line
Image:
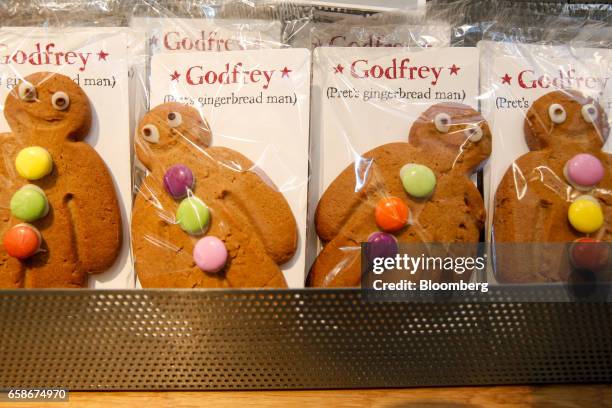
{"points": [[48, 105], [566, 117], [170, 126], [456, 135]]}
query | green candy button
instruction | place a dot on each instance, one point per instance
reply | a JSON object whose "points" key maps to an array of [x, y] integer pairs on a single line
{"points": [[29, 203], [418, 180], [193, 216]]}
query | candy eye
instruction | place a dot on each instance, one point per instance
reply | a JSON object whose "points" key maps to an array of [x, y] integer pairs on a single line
{"points": [[174, 119], [150, 134], [27, 92], [589, 113], [60, 100], [442, 121], [473, 133], [557, 113]]}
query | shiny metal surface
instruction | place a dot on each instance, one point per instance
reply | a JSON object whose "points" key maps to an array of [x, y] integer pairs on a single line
{"points": [[186, 339]]}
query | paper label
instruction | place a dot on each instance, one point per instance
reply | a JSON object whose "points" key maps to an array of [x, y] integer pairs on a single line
{"points": [[204, 35]]}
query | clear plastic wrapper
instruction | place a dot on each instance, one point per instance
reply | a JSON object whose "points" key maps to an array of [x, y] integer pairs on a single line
{"points": [[596, 30], [549, 180], [220, 196], [596, 11], [396, 136], [213, 99], [65, 178], [178, 27], [64, 13], [352, 34], [398, 28]]}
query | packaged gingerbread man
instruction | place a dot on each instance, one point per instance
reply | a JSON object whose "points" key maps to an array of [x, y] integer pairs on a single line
{"points": [[59, 217], [559, 192], [205, 216], [408, 192]]}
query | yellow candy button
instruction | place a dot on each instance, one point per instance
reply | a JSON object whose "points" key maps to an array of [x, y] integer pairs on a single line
{"points": [[34, 163], [585, 214]]}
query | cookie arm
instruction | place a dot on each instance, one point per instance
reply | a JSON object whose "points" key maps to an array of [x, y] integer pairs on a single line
{"points": [[531, 207], [359, 182], [94, 209], [337, 265], [528, 200], [248, 192], [475, 203], [337, 204], [12, 272]]}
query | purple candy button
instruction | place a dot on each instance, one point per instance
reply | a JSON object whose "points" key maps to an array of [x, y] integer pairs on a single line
{"points": [[584, 171], [178, 180], [382, 245]]}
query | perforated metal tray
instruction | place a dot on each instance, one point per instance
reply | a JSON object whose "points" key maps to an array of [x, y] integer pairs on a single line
{"points": [[186, 339]]}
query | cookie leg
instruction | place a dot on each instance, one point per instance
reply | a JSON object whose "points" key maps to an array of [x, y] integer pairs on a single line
{"points": [[249, 266], [277, 282], [93, 209], [338, 265], [12, 271]]}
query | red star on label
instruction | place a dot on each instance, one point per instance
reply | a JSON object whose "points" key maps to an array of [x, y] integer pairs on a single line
{"points": [[454, 69], [338, 69], [102, 55], [285, 71], [506, 79], [174, 76]]}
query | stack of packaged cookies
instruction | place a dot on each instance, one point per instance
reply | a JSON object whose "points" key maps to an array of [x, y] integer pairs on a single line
{"points": [[279, 145]]}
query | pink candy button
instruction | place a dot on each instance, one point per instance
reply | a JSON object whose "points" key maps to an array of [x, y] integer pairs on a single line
{"points": [[584, 171], [210, 254]]}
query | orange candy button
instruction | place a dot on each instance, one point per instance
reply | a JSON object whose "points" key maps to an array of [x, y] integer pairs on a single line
{"points": [[391, 214], [22, 241]]}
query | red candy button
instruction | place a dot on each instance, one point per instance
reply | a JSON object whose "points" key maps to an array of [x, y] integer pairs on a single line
{"points": [[391, 214], [589, 254], [22, 241]]}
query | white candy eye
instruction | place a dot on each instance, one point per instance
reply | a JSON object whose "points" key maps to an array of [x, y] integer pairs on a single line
{"points": [[442, 121], [150, 133], [174, 119], [589, 113], [27, 92], [557, 113], [473, 133], [60, 100]]}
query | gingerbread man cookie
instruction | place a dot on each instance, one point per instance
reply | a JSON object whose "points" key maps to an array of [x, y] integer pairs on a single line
{"points": [[205, 216], [418, 191], [59, 217], [559, 192]]}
